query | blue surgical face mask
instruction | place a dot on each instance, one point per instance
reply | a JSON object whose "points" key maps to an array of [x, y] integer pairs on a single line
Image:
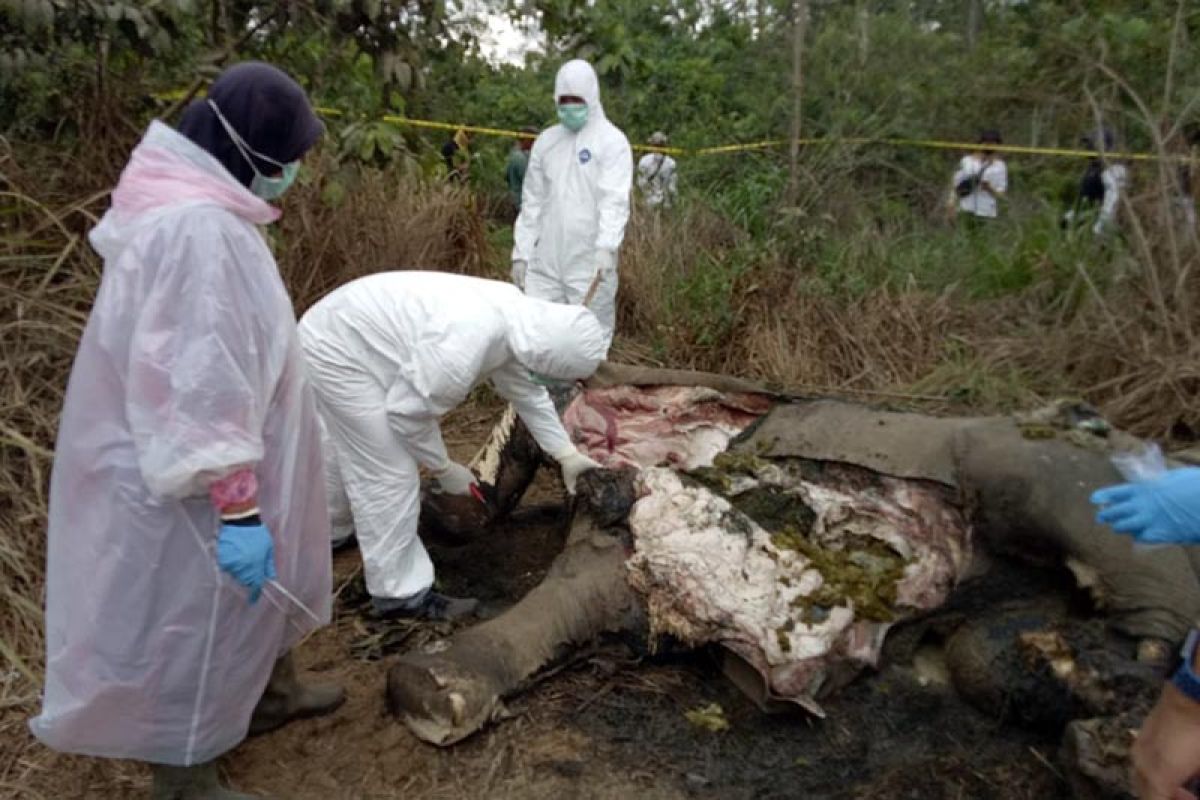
{"points": [[271, 188], [262, 186], [573, 116]]}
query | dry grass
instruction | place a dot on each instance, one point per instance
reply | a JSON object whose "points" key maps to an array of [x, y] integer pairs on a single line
{"points": [[341, 224], [696, 293], [49, 276]]}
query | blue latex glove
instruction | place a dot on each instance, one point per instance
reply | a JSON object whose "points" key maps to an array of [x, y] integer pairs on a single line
{"points": [[247, 553], [1165, 510]]}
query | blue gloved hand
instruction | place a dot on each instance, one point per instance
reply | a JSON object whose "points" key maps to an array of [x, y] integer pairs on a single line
{"points": [[245, 551], [1165, 510]]}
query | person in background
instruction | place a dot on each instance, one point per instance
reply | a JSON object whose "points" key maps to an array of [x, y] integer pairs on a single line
{"points": [[656, 175], [457, 156], [576, 202], [518, 161], [1166, 752], [1101, 188], [391, 353], [979, 182], [188, 550], [1184, 145]]}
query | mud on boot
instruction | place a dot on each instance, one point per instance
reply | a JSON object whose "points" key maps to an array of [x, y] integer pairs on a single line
{"points": [[286, 699], [199, 782]]}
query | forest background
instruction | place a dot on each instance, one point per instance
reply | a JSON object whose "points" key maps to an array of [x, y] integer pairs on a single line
{"points": [[826, 268]]}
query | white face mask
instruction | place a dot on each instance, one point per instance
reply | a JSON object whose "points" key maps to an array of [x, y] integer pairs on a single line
{"points": [[263, 186]]}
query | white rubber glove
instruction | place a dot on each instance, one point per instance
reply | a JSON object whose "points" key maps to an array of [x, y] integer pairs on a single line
{"points": [[605, 263], [518, 273], [454, 478], [574, 464]]}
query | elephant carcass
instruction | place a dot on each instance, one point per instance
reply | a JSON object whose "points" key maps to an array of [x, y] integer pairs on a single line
{"points": [[713, 554], [445, 696], [822, 524]]}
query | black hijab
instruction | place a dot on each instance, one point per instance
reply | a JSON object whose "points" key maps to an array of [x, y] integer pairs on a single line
{"points": [[266, 107]]}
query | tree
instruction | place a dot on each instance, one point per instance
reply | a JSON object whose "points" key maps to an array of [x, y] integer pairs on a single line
{"points": [[799, 26]]}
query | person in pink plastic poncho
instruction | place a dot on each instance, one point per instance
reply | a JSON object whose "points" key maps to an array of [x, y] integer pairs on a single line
{"points": [[188, 534]]}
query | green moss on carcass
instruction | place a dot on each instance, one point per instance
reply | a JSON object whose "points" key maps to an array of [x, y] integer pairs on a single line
{"points": [[719, 477], [739, 463], [864, 573], [775, 509], [1036, 430], [712, 479]]}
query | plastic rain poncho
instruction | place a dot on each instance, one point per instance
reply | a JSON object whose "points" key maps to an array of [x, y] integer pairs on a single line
{"points": [[575, 201], [388, 355], [188, 370]]}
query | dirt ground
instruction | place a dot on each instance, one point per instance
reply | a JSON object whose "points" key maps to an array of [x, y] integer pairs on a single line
{"points": [[612, 723], [609, 724]]}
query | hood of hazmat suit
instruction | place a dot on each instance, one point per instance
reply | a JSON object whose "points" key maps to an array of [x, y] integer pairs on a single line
{"points": [[575, 202], [189, 369], [388, 355]]}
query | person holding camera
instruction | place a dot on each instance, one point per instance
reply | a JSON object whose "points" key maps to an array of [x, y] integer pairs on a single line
{"points": [[980, 181], [1105, 181]]}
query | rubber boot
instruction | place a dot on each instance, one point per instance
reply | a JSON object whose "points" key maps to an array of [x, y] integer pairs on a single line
{"points": [[429, 605], [191, 783], [286, 699]]}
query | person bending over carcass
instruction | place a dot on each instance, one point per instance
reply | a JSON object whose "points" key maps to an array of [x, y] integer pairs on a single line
{"points": [[575, 202], [187, 456], [388, 355], [1165, 510]]}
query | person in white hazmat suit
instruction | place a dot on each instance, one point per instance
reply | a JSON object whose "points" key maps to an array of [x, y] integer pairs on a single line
{"points": [[188, 453], [575, 201], [656, 178], [388, 355]]}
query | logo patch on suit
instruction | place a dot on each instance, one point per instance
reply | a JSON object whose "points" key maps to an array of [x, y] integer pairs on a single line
{"points": [[585, 156]]}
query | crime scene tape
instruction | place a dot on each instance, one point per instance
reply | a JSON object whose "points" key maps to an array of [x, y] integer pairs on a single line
{"points": [[767, 144]]}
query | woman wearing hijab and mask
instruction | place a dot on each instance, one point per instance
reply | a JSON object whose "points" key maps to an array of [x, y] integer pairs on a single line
{"points": [[188, 533]]}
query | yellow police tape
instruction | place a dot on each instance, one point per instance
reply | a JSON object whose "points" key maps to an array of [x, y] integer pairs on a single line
{"points": [[886, 141]]}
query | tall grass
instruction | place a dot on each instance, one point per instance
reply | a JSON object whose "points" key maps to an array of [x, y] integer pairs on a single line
{"points": [[340, 224], [864, 288], [47, 279]]}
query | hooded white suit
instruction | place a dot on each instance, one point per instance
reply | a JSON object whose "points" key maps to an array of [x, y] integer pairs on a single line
{"points": [[388, 355], [575, 203]]}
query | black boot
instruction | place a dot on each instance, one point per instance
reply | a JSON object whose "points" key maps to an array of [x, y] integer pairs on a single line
{"points": [[431, 605], [286, 699], [191, 783]]}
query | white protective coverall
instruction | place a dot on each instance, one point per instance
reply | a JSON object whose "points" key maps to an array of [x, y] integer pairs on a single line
{"points": [[656, 179], [390, 353], [575, 202], [189, 369], [1115, 177]]}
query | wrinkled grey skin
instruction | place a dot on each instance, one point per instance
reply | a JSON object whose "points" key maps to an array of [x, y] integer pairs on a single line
{"points": [[1025, 486], [445, 696]]}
